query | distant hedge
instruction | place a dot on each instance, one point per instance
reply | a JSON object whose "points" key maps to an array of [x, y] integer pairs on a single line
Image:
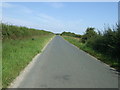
{"points": [[71, 34]]}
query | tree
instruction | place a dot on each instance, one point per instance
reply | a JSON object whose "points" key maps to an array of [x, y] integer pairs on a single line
{"points": [[88, 34]]}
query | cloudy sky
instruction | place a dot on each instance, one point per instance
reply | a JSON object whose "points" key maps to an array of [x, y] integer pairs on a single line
{"points": [[61, 16]]}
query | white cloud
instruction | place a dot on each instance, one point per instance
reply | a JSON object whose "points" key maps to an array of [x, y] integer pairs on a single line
{"points": [[21, 8], [56, 25], [48, 22], [6, 5], [31, 24], [19, 22], [41, 20], [46, 17], [56, 4], [53, 24]]}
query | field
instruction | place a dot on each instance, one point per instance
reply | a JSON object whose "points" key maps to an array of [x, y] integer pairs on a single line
{"points": [[18, 49]]}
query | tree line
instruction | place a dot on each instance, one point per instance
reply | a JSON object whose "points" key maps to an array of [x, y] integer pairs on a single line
{"points": [[71, 34]]}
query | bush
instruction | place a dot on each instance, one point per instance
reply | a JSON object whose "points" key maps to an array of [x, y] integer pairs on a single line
{"points": [[107, 43], [88, 34]]}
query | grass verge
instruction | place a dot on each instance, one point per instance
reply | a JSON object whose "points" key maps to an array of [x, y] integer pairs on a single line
{"points": [[18, 53], [106, 59]]}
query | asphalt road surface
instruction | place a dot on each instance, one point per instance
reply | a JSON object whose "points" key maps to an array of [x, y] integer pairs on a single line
{"points": [[62, 65]]}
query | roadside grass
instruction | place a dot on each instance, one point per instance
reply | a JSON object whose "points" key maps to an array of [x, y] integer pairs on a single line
{"points": [[19, 45], [106, 59], [16, 54]]}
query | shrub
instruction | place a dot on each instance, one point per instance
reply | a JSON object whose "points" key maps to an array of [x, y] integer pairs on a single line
{"points": [[107, 43]]}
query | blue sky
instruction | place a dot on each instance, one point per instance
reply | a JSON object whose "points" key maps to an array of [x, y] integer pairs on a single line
{"points": [[61, 16]]}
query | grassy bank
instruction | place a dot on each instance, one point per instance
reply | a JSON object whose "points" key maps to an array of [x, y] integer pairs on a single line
{"points": [[19, 46], [100, 56]]}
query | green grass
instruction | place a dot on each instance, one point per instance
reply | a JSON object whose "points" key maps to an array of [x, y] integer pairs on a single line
{"points": [[18, 53], [100, 56], [19, 46]]}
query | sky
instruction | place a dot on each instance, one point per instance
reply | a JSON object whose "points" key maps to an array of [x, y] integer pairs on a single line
{"points": [[61, 16]]}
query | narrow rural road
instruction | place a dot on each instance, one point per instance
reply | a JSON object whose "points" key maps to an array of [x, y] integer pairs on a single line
{"points": [[62, 65]]}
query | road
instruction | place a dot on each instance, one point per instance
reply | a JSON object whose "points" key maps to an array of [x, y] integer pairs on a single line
{"points": [[62, 65]]}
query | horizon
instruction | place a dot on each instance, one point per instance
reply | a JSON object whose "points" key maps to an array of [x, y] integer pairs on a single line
{"points": [[58, 17]]}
